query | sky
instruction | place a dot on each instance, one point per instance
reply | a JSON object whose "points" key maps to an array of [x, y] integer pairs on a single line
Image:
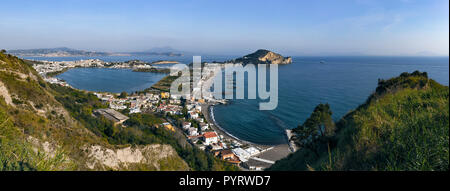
{"points": [[231, 27]]}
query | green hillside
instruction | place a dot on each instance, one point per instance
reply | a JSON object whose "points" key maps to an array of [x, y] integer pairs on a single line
{"points": [[404, 125], [39, 131]]}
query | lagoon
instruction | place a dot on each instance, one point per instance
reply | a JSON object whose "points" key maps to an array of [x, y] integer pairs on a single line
{"points": [[109, 79]]}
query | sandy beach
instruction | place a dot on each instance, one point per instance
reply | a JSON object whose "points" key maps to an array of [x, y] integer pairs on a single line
{"points": [[270, 152]]}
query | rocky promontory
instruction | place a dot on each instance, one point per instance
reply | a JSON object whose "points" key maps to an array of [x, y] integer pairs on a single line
{"points": [[262, 56]]}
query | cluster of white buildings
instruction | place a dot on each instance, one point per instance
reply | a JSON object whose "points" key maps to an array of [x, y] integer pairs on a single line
{"points": [[56, 81], [44, 67], [245, 154], [139, 103]]}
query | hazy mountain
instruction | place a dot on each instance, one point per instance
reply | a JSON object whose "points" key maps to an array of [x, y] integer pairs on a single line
{"points": [[69, 52], [163, 51], [55, 52]]}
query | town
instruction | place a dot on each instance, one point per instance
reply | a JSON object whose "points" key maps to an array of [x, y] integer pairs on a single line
{"points": [[192, 117]]}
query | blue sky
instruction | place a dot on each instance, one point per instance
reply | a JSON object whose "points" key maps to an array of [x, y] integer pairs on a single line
{"points": [[322, 27]]}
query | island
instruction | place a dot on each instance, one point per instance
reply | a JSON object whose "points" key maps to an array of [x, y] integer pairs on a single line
{"points": [[262, 56]]}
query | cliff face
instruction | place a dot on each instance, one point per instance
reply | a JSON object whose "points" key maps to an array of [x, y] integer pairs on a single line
{"points": [[264, 57], [38, 133]]}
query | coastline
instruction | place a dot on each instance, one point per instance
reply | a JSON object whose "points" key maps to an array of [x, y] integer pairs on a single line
{"points": [[210, 118], [269, 153]]}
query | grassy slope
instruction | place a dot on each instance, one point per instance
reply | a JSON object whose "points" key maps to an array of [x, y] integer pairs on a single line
{"points": [[404, 125], [37, 114]]}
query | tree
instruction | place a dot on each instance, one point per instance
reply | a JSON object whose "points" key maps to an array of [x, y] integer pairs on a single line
{"points": [[123, 95], [184, 111], [3, 51], [317, 129]]}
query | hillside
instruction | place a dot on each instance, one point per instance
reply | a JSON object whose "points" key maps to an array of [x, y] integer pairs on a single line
{"points": [[263, 57], [404, 125], [39, 132]]}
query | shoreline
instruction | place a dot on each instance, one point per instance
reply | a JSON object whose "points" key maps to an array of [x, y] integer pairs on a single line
{"points": [[211, 117], [268, 152]]}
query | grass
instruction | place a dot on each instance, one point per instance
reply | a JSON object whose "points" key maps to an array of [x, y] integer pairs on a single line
{"points": [[165, 83], [18, 154], [404, 125]]}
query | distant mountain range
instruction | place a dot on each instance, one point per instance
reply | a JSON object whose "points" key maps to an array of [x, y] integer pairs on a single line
{"points": [[55, 52], [68, 52]]}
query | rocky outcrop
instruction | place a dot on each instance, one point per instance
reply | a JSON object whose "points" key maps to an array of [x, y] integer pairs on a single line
{"points": [[148, 157], [263, 57]]}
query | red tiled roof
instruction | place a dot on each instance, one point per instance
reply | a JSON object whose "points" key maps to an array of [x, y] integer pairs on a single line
{"points": [[209, 134]]}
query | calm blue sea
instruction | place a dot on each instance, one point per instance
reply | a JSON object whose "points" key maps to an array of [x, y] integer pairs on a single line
{"points": [[343, 82]]}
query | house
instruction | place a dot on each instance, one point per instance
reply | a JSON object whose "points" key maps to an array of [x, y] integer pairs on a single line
{"points": [[112, 115], [115, 106], [198, 107], [165, 95], [226, 154], [135, 110], [242, 154], [174, 101], [258, 165], [175, 97], [192, 131], [229, 156], [133, 103], [168, 126], [210, 138], [214, 147], [252, 151], [189, 106], [204, 126], [186, 125], [193, 115]]}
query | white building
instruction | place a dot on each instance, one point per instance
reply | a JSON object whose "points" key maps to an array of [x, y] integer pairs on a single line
{"points": [[242, 154], [193, 115], [189, 106], [210, 138], [204, 126], [192, 131], [186, 125], [135, 110], [252, 151]]}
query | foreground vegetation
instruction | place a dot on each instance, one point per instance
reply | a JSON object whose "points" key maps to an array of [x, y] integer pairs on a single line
{"points": [[404, 125]]}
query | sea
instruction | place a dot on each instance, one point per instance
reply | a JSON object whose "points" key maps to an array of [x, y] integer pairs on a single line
{"points": [[344, 82]]}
